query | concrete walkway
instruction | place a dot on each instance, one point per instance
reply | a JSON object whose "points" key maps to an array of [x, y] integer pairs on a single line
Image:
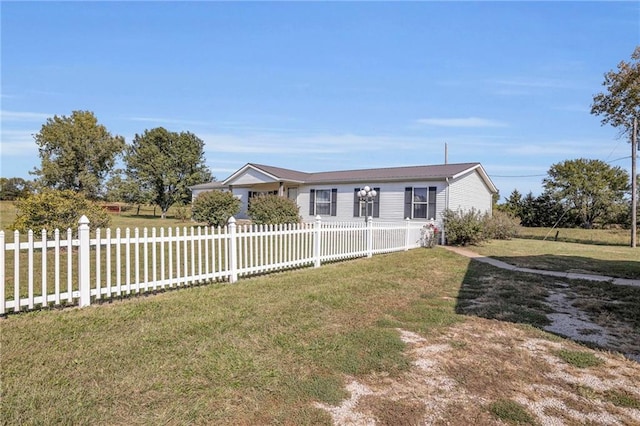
{"points": [[569, 275]]}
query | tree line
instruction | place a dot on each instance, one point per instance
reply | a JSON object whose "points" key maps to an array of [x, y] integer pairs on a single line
{"points": [[79, 154]]}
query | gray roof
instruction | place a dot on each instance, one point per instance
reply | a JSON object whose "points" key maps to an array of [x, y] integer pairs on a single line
{"points": [[208, 185], [407, 173], [438, 171]]}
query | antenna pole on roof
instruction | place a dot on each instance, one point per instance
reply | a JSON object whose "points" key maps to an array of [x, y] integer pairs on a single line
{"points": [[446, 154]]}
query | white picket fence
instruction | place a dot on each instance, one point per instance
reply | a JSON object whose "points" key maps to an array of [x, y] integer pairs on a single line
{"points": [[64, 271]]}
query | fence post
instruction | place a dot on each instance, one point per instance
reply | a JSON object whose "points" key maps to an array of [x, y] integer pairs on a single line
{"points": [[316, 241], [369, 236], [407, 231], [233, 253], [2, 274], [84, 259]]}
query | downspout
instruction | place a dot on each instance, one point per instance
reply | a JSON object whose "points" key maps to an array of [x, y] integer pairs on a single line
{"points": [[446, 207]]}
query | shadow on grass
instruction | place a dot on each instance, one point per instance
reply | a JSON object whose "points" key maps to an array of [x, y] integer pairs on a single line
{"points": [[577, 240], [602, 308], [576, 264]]}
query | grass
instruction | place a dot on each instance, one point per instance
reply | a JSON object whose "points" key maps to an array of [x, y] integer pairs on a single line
{"points": [[617, 237], [611, 260], [579, 359], [147, 216], [255, 352], [511, 412], [264, 350]]}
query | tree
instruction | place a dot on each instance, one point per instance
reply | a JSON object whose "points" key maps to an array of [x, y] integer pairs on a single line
{"points": [[76, 153], [122, 188], [588, 187], [513, 204], [620, 107], [215, 207], [167, 163], [15, 187], [273, 209]]}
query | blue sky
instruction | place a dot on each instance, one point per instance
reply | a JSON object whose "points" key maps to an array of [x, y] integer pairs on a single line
{"points": [[325, 86]]}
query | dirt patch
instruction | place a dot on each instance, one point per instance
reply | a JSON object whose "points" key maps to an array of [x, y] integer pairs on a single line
{"points": [[590, 325], [456, 376]]}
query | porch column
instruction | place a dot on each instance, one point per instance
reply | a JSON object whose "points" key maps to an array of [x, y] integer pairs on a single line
{"points": [[281, 189]]}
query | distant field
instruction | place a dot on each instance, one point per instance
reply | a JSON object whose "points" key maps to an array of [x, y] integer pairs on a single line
{"points": [[146, 216]]}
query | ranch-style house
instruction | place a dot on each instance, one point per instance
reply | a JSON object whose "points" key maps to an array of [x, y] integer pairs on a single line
{"points": [[415, 192]]}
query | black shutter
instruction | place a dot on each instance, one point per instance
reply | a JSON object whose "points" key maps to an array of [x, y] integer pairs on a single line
{"points": [[408, 195], [376, 203], [432, 203], [312, 200], [356, 203], [334, 201]]}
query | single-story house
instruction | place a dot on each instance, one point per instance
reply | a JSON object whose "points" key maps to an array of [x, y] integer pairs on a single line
{"points": [[414, 192]]}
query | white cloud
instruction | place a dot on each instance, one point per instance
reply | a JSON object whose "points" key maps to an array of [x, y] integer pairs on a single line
{"points": [[270, 143], [461, 122], [23, 116], [17, 143], [169, 121]]}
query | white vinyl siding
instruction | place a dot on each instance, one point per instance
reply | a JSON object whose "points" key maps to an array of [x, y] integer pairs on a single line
{"points": [[469, 191], [251, 177]]}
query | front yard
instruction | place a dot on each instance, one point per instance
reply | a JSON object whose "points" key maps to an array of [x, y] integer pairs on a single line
{"points": [[420, 336]]}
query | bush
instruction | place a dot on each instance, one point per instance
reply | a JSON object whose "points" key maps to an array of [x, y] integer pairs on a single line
{"points": [[215, 207], [463, 227], [501, 225], [181, 213], [53, 209], [273, 209]]}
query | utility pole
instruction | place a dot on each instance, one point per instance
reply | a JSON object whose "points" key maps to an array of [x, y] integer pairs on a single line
{"points": [[634, 182]]}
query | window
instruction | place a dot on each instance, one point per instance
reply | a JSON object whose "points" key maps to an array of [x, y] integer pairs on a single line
{"points": [[323, 202], [360, 207], [420, 203]]}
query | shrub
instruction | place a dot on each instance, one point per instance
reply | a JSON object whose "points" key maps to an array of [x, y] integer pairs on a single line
{"points": [[181, 213], [54, 209], [273, 209], [215, 207], [501, 225], [463, 227]]}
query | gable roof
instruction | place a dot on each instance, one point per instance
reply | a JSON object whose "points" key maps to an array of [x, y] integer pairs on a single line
{"points": [[429, 172]]}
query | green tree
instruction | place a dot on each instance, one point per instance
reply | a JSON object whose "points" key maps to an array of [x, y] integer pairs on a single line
{"points": [[122, 188], [588, 187], [76, 153], [167, 163], [273, 209], [15, 187], [52, 209], [215, 207], [619, 106], [621, 102], [513, 204]]}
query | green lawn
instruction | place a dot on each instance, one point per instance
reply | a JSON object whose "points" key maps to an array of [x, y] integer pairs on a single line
{"points": [[618, 237], [266, 349], [612, 260], [255, 352]]}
